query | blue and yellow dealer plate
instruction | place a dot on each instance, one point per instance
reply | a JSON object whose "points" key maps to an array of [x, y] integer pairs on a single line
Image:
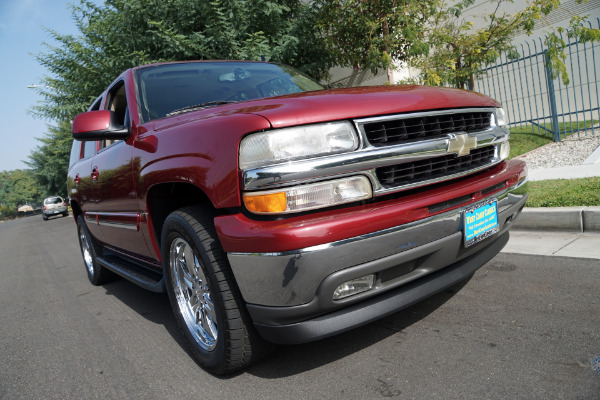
{"points": [[480, 221]]}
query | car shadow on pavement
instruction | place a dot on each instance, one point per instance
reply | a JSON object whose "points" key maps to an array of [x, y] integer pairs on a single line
{"points": [[154, 307], [291, 360], [286, 360]]}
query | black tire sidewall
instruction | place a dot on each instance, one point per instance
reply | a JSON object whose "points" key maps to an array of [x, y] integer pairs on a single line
{"points": [[176, 226]]}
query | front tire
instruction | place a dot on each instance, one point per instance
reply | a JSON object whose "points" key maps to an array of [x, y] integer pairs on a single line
{"points": [[205, 299]]}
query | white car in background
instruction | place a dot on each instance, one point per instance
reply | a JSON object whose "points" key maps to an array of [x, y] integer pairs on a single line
{"points": [[54, 205]]}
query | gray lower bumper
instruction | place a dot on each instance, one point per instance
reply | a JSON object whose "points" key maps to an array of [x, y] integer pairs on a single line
{"points": [[377, 307], [290, 295]]}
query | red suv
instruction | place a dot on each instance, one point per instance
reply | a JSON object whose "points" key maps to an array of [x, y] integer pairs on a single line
{"points": [[274, 211]]}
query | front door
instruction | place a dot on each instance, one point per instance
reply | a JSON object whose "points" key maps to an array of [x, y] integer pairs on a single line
{"points": [[115, 198]]}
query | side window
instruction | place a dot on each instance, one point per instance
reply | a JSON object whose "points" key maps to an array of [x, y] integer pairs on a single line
{"points": [[88, 149], [75, 152], [117, 103]]}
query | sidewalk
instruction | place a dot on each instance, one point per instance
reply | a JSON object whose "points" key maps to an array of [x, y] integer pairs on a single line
{"points": [[559, 231], [554, 243]]}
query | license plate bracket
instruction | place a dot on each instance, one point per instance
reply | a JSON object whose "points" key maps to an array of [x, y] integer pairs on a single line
{"points": [[480, 221]]}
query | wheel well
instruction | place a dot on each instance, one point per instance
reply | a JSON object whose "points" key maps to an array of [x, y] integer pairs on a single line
{"points": [[165, 198], [76, 209]]}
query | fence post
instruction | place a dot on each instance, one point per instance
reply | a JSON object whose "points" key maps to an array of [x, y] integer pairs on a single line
{"points": [[551, 97]]}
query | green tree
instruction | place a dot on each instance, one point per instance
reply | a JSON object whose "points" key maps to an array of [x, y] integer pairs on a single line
{"points": [[124, 33], [434, 36], [458, 52], [49, 161], [17, 188], [373, 34]]}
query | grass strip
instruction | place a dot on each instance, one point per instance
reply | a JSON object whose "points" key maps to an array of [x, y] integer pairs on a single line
{"points": [[564, 192]]}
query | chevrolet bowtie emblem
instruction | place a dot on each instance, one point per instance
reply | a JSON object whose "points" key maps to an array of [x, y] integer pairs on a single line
{"points": [[461, 144]]}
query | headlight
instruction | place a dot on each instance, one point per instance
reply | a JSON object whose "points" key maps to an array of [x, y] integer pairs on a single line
{"points": [[500, 117], [309, 197], [285, 144]]}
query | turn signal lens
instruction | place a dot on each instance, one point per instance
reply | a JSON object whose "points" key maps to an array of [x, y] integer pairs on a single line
{"points": [[309, 197], [266, 203]]}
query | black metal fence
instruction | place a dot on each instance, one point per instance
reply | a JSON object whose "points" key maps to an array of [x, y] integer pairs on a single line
{"points": [[531, 97]]}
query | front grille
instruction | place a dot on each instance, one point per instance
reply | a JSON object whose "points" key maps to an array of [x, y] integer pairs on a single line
{"points": [[433, 168], [385, 133]]}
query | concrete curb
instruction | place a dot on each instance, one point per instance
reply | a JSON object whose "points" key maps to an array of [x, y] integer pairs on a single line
{"points": [[572, 172], [573, 219]]}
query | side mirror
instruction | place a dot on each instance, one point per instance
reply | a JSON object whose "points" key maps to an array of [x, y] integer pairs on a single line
{"points": [[98, 125]]}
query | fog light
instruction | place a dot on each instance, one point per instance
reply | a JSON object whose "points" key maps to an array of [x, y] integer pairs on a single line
{"points": [[354, 286]]}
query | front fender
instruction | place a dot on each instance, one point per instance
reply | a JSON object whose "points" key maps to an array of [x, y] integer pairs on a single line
{"points": [[202, 152]]}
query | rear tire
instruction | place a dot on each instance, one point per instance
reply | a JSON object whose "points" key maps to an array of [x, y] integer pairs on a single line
{"points": [[97, 274], [205, 299]]}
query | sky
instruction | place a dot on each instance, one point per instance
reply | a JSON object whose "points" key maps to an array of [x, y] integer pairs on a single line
{"points": [[22, 33]]}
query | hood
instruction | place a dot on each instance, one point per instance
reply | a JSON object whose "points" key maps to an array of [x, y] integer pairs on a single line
{"points": [[340, 104]]}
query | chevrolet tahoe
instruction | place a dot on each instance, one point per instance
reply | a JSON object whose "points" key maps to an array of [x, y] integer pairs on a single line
{"points": [[273, 210]]}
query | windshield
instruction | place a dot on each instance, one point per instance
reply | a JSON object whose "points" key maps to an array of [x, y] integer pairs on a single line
{"points": [[181, 87], [54, 200]]}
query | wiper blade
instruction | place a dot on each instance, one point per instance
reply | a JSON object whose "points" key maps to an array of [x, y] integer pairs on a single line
{"points": [[199, 107]]}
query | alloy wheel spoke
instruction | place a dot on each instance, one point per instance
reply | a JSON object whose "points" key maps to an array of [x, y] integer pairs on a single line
{"points": [[209, 320], [193, 296]]}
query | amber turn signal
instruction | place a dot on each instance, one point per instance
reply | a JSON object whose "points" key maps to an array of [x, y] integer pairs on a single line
{"points": [[266, 203]]}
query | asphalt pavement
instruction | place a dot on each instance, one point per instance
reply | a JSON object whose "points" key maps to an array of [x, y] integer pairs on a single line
{"points": [[524, 327]]}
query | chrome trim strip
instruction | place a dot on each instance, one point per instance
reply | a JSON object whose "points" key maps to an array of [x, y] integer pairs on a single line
{"points": [[446, 215], [121, 225], [425, 114], [357, 162], [341, 164]]}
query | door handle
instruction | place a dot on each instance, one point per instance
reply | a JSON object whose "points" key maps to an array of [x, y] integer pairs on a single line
{"points": [[95, 174]]}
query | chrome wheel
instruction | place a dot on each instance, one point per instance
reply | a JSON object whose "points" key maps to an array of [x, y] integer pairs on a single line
{"points": [[207, 304], [193, 294], [97, 274], [86, 251]]}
